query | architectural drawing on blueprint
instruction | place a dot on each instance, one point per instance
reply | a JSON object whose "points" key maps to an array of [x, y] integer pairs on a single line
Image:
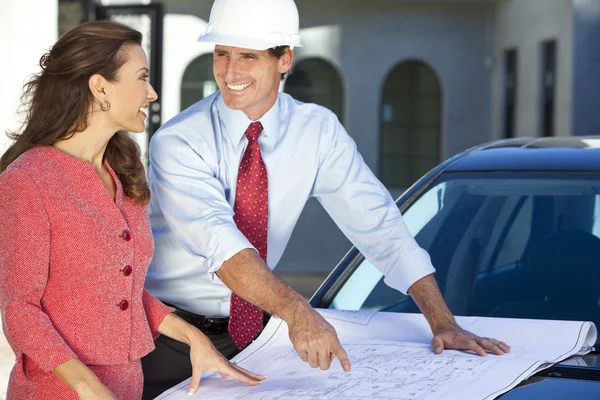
{"points": [[393, 366], [378, 374]]}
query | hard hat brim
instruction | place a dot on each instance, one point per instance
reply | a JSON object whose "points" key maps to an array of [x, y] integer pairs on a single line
{"points": [[245, 43]]}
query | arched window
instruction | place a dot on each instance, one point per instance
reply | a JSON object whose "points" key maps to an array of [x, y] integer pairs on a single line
{"points": [[316, 81], [410, 124], [198, 81]]}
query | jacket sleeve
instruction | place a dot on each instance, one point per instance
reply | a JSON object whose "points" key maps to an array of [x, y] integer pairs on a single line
{"points": [[156, 311], [24, 269]]}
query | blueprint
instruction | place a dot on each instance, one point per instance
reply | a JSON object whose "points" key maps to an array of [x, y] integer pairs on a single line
{"points": [[392, 359]]}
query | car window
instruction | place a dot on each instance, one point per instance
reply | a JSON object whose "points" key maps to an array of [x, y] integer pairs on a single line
{"points": [[512, 247], [505, 245], [596, 226], [365, 289]]}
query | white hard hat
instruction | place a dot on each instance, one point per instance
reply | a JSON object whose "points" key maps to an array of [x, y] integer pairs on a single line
{"points": [[253, 24]]}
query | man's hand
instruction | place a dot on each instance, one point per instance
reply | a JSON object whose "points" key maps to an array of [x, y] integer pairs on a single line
{"points": [[446, 332], [457, 338], [315, 340]]}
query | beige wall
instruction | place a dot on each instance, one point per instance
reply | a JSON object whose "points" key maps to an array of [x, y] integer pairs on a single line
{"points": [[524, 24], [27, 30]]}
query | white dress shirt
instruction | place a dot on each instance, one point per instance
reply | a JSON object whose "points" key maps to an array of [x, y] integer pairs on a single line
{"points": [[192, 173]]}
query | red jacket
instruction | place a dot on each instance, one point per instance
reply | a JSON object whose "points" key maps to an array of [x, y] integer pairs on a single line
{"points": [[72, 265]]}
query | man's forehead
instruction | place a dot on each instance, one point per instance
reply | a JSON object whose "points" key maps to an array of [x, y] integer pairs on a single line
{"points": [[231, 49]]}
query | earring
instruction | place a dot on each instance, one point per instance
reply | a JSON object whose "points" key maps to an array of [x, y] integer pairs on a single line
{"points": [[105, 106]]}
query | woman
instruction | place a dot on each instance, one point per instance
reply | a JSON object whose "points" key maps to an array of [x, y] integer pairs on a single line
{"points": [[76, 241]]}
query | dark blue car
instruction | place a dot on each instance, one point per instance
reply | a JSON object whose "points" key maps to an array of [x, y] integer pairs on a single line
{"points": [[513, 229]]}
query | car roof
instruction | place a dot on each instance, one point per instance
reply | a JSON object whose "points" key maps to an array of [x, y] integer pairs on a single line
{"points": [[574, 153]]}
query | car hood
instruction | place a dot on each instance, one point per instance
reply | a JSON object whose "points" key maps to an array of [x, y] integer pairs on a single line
{"points": [[577, 377]]}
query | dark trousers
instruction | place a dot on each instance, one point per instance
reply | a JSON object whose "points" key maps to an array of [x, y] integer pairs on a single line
{"points": [[169, 364]]}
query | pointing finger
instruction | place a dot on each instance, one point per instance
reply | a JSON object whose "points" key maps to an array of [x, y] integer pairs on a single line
{"points": [[340, 353]]}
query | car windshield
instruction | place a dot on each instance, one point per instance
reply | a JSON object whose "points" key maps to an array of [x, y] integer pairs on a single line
{"points": [[520, 245]]}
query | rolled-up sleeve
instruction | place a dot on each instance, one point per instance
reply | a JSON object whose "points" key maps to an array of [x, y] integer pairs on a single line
{"points": [[24, 269], [156, 312], [193, 202], [364, 210]]}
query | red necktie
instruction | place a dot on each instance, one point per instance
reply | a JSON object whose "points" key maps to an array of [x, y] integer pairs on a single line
{"points": [[251, 216]]}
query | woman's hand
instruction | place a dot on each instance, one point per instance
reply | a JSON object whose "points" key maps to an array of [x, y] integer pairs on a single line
{"points": [[83, 381], [205, 357], [95, 392]]}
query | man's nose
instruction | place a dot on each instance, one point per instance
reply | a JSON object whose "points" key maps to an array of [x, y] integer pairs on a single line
{"points": [[230, 70]]}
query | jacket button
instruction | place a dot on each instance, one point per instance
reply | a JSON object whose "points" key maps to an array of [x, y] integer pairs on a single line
{"points": [[124, 305], [126, 235], [127, 270]]}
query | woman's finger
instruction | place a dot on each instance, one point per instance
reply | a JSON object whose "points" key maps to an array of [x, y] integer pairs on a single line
{"points": [[250, 374], [235, 373], [195, 382]]}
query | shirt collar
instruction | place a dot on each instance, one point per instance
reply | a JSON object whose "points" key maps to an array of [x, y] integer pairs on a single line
{"points": [[236, 122]]}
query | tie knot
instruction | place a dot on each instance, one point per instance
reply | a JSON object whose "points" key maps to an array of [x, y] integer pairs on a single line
{"points": [[253, 131]]}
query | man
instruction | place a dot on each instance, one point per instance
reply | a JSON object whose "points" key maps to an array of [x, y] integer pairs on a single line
{"points": [[229, 177]]}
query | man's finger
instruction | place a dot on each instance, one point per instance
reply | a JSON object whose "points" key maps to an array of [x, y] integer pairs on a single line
{"points": [[438, 345], [473, 346], [490, 346], [313, 358], [303, 355], [505, 348], [340, 353], [195, 382], [324, 360]]}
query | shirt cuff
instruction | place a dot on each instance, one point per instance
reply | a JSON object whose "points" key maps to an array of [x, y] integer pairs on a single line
{"points": [[223, 245], [413, 266]]}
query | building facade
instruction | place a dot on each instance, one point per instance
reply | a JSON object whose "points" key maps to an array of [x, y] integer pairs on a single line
{"points": [[413, 82]]}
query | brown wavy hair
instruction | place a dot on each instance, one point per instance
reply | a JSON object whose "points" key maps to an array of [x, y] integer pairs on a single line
{"points": [[58, 99]]}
